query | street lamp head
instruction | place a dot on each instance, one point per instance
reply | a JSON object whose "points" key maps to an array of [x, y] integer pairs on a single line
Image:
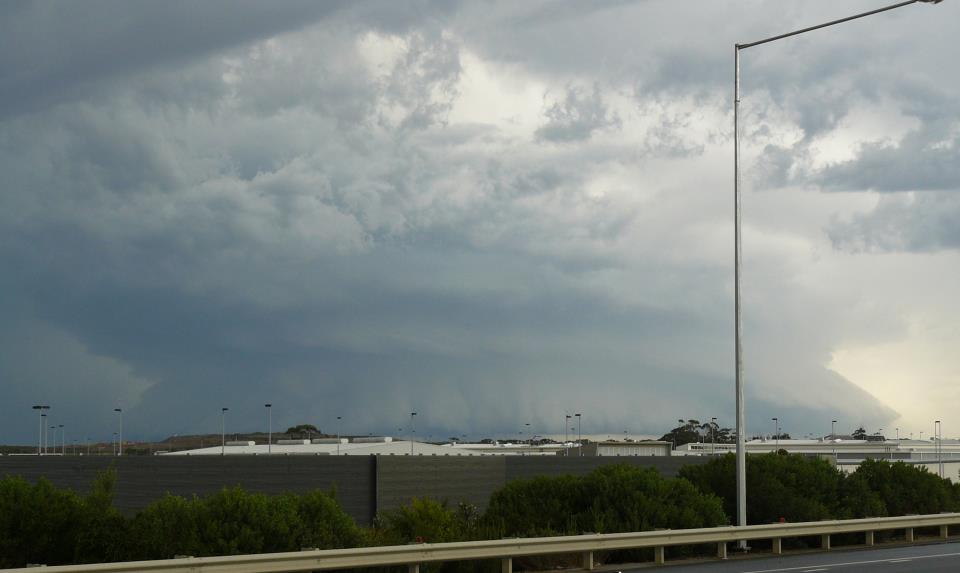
{"points": [[118, 409], [931, 1], [224, 409], [268, 405]]}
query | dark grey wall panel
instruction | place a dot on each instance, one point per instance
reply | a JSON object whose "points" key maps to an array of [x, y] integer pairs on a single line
{"points": [[524, 467], [469, 479], [142, 479]]}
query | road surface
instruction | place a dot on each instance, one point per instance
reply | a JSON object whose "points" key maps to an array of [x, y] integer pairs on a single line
{"points": [[933, 558]]}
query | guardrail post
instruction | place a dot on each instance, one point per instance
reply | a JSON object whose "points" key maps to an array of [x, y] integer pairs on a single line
{"points": [[777, 546], [722, 550], [658, 555], [869, 538], [588, 560], [825, 542], [506, 565], [413, 568], [910, 534], [944, 531]]}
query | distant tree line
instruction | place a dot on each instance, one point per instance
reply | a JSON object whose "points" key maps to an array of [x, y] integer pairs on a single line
{"points": [[43, 524], [692, 431]]}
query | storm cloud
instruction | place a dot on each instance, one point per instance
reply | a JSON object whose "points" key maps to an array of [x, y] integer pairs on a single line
{"points": [[492, 214]]}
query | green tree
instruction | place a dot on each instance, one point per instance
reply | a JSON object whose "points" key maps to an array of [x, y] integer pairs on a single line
{"points": [[303, 430], [905, 489], [234, 521], [38, 523], [102, 527], [792, 487], [614, 498]]}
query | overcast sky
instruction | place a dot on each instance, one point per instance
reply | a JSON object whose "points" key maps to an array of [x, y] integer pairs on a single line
{"points": [[491, 213]]}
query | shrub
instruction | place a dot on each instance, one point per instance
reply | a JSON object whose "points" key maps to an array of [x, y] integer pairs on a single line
{"points": [[38, 523], [234, 522], [615, 498], [792, 487], [905, 489]]}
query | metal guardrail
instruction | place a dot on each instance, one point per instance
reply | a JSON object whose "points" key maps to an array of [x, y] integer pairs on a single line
{"points": [[507, 549]]}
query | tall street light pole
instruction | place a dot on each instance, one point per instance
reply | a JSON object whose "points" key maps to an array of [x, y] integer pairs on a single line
{"points": [[223, 430], [776, 431], [269, 408], [938, 436], [566, 436], [413, 431], [42, 409], [119, 411], [737, 250], [63, 440], [338, 434], [713, 436], [579, 437]]}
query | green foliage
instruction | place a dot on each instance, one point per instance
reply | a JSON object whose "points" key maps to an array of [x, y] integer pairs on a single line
{"points": [[102, 527], [432, 521], [693, 431], [425, 519], [303, 430], [798, 488], [792, 487], [610, 499], [904, 489], [38, 523], [234, 522]]}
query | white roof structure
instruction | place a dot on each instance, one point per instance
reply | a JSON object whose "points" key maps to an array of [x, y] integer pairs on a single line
{"points": [[843, 449], [384, 447]]}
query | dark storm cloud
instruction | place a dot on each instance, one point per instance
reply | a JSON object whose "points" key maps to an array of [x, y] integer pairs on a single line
{"points": [[52, 52], [228, 204]]}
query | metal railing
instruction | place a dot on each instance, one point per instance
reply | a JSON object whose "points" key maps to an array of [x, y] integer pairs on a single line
{"points": [[506, 549]]}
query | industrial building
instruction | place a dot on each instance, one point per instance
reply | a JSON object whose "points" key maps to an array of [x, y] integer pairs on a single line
{"points": [[387, 446]]}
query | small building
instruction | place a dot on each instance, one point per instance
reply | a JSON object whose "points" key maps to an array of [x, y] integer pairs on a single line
{"points": [[612, 448]]}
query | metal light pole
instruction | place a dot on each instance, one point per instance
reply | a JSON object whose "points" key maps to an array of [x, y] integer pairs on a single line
{"points": [[338, 435], [579, 437], [269, 408], [938, 437], [63, 441], [223, 431], [566, 439], [776, 431], [413, 431], [46, 435], [713, 436], [120, 435], [54, 428], [42, 409], [737, 250]]}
